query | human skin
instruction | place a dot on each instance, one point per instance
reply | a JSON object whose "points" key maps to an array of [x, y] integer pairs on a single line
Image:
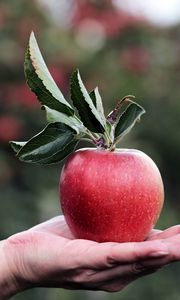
{"points": [[47, 255]]}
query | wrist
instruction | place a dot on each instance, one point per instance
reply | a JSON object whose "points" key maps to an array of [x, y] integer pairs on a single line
{"points": [[9, 285]]}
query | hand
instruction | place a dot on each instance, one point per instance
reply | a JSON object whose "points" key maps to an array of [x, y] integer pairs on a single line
{"points": [[171, 232], [47, 255]]}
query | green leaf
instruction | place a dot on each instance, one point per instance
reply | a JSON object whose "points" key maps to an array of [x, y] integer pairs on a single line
{"points": [[56, 116], [110, 132], [93, 97], [16, 146], [51, 145], [97, 101], [85, 106], [40, 80], [60, 155], [128, 119]]}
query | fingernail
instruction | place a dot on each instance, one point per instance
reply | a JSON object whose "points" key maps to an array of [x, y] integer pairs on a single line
{"points": [[159, 253]]}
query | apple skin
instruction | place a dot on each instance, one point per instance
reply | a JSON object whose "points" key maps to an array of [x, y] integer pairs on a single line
{"points": [[111, 196]]}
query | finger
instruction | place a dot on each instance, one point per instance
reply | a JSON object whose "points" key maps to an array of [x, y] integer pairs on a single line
{"points": [[166, 233], [122, 272], [118, 276], [153, 233], [173, 243], [106, 255], [158, 263], [119, 283], [174, 248]]}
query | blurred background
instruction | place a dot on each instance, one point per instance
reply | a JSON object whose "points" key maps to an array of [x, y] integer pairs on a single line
{"points": [[124, 47]]}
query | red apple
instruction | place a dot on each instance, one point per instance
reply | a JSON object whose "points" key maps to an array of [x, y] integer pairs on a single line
{"points": [[111, 196]]}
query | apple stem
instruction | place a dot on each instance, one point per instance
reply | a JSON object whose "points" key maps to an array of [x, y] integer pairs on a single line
{"points": [[103, 141], [113, 116]]}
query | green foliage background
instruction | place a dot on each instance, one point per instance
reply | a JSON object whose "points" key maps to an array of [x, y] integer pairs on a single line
{"points": [[134, 57]]}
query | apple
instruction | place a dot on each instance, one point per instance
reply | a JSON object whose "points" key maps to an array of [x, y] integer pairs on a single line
{"points": [[111, 195]]}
